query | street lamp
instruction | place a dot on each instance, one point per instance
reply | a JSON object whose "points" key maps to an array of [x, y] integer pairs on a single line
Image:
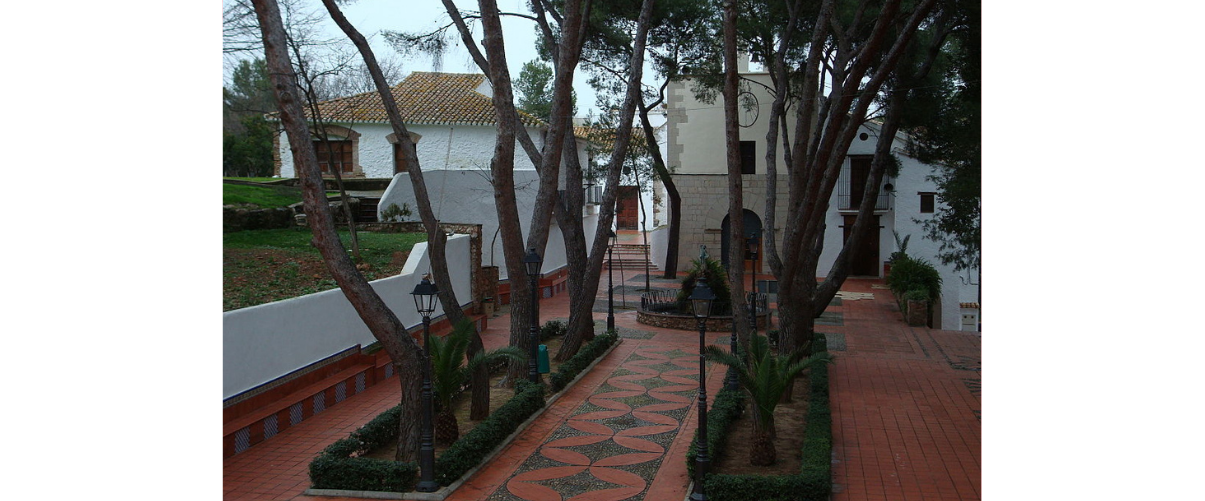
{"points": [[425, 299], [611, 282], [700, 300], [532, 262], [754, 250]]}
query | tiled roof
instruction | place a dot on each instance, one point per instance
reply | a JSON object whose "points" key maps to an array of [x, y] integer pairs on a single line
{"points": [[423, 98], [605, 138]]}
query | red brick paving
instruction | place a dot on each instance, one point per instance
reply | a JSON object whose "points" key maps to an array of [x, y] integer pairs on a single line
{"points": [[905, 406], [905, 416]]}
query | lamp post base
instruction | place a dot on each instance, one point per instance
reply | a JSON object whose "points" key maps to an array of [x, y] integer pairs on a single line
{"points": [[427, 487]]}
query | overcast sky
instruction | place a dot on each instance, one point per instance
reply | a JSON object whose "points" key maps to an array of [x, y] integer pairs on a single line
{"points": [[370, 17]]}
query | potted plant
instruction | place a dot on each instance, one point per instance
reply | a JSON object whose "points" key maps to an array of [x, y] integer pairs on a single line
{"points": [[916, 304]]}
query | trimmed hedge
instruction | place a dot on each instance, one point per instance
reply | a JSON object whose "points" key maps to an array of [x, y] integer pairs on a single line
{"points": [[724, 410], [584, 357], [335, 468], [468, 452], [814, 482]]}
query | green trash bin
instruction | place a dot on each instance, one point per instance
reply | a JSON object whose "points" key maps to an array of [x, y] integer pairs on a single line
{"points": [[542, 360]]}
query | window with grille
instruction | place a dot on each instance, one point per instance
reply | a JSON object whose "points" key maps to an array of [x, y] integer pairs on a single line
{"points": [[399, 161], [338, 156]]}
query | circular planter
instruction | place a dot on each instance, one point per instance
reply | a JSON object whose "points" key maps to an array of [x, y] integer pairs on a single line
{"points": [[689, 323]]}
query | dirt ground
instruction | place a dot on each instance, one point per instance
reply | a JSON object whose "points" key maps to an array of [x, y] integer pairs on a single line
{"points": [[789, 420]]}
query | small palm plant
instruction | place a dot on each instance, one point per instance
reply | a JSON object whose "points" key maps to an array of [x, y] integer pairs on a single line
{"points": [[765, 377], [449, 372]]}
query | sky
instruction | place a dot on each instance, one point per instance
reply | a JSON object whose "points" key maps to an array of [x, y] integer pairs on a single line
{"points": [[370, 17]]}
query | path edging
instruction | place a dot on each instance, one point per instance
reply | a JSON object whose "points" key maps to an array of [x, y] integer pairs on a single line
{"points": [[444, 492]]}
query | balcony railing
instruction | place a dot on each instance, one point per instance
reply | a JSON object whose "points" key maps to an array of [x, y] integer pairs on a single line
{"points": [[850, 190]]}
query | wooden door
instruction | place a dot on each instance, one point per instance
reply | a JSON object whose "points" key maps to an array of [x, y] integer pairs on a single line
{"points": [[865, 259], [627, 213]]}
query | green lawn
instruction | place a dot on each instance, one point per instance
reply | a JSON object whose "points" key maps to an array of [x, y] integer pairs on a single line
{"points": [[262, 266], [264, 197]]}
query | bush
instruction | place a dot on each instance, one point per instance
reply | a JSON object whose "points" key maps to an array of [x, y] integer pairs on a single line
{"points": [[914, 274], [335, 468], [553, 328], [814, 480], [717, 280], [474, 446], [584, 357]]}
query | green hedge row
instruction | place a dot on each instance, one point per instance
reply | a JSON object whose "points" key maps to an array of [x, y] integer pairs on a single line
{"points": [[468, 452], [334, 468], [814, 482], [723, 411], [584, 357]]}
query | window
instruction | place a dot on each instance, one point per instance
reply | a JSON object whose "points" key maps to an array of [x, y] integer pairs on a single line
{"points": [[399, 162], [926, 203], [859, 172], [339, 155], [748, 157]]}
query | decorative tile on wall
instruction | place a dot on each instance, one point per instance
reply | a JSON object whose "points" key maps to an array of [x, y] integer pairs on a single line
{"points": [[271, 427], [340, 391]]}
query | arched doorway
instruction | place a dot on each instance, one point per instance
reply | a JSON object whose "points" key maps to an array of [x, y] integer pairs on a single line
{"points": [[751, 223]]}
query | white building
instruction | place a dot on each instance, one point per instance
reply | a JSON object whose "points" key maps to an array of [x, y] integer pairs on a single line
{"points": [[695, 149], [451, 120]]}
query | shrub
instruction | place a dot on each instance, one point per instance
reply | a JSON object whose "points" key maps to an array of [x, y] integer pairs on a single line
{"points": [[717, 280], [335, 468], [910, 274], [577, 363], [553, 328], [814, 480], [471, 449]]}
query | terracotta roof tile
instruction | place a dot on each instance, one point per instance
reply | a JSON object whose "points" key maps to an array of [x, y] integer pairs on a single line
{"points": [[424, 98]]}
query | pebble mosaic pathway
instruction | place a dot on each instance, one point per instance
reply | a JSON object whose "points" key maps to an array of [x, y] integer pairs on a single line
{"points": [[613, 444]]}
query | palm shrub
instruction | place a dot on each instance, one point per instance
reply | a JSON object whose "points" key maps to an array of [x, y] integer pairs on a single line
{"points": [[717, 280], [449, 373], [765, 376]]}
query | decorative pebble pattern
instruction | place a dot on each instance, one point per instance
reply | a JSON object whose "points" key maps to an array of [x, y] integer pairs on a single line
{"points": [[613, 444]]}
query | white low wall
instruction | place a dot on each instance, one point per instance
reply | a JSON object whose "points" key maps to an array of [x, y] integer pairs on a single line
{"points": [[264, 342], [658, 242]]}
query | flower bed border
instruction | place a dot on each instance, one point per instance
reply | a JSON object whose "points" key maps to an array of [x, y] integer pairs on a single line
{"points": [[814, 482], [335, 473]]}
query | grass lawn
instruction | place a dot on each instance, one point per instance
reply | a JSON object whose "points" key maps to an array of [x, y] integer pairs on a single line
{"points": [[262, 266], [261, 197]]}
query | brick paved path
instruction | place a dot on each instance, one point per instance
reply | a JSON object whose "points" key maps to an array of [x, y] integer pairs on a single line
{"points": [[905, 417], [906, 406]]}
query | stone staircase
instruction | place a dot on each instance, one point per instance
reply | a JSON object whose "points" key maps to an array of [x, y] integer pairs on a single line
{"points": [[630, 257]]}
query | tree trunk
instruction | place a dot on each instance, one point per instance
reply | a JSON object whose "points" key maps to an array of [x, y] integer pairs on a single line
{"points": [[447, 429], [581, 294], [671, 190], [437, 241], [373, 311], [410, 377], [736, 189], [762, 451]]}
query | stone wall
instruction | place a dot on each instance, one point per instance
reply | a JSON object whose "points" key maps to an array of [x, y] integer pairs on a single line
{"points": [[235, 218], [689, 323]]}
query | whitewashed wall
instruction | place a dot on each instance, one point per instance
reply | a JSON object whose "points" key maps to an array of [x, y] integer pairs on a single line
{"points": [[463, 196], [658, 242], [441, 147], [695, 148], [264, 342]]}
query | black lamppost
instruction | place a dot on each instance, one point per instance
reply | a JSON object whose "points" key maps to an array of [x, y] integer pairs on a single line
{"points": [[425, 299], [754, 247], [532, 262], [611, 282], [700, 300]]}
